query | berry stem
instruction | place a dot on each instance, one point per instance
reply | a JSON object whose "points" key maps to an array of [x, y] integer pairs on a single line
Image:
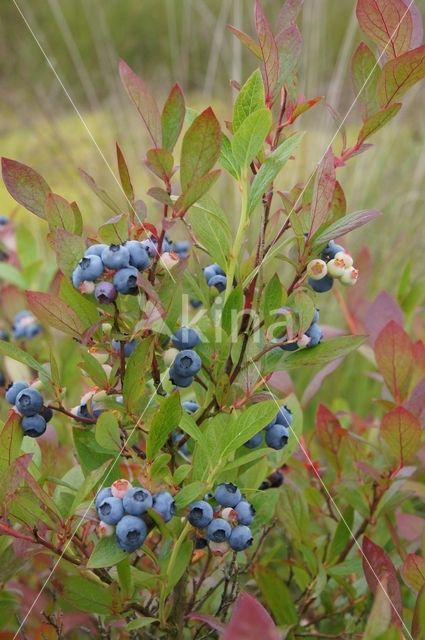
{"points": [[72, 415]]}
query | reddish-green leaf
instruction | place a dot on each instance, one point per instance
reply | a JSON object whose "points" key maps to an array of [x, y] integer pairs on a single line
{"points": [[413, 571], [400, 74], [25, 185], [246, 40], [125, 177], [68, 248], [250, 621], [160, 162], [172, 117], [144, 101], [376, 566], [378, 120], [10, 441], [101, 193], [365, 73], [55, 313], [401, 431], [393, 352], [115, 230], [289, 13], [324, 187], [289, 44], [269, 52], [328, 429], [200, 148], [388, 23], [59, 213], [194, 193], [346, 224]]}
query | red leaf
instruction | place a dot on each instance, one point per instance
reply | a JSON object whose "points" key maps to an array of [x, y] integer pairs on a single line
{"points": [[382, 310], [365, 74], [413, 571], [211, 621], [289, 13], [269, 52], [418, 27], [324, 187], [409, 526], [400, 74], [144, 101], [388, 23], [401, 431], [376, 566], [416, 401], [172, 117], [200, 148], [328, 428], [250, 621], [393, 352], [25, 185]]}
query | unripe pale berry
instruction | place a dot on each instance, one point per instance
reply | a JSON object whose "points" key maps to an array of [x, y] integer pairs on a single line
{"points": [[350, 277], [336, 267], [229, 514], [345, 257], [317, 269], [218, 548], [120, 487], [104, 530]]}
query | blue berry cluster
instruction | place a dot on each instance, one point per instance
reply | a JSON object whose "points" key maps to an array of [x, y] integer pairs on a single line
{"points": [[29, 403], [215, 277], [225, 524], [180, 248], [123, 510], [334, 263], [25, 326], [187, 362], [276, 433], [311, 338]]}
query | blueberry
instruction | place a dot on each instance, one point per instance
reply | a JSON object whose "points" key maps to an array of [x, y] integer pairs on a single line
{"points": [[190, 406], [185, 338], [180, 381], [321, 286], [95, 250], [316, 316], [150, 244], [195, 304], [33, 426], [2, 379], [284, 416], [227, 494], [105, 292], [201, 543], [137, 501], [181, 248], [116, 256], [13, 390], [131, 533], [128, 346], [176, 437], [4, 220], [331, 250], [274, 481], [255, 441], [29, 402], [245, 512], [219, 530], [33, 330], [125, 280], [277, 436], [4, 335], [315, 334], [110, 510], [240, 538], [139, 257], [22, 315], [219, 282], [101, 495], [213, 270], [187, 363], [166, 245], [163, 503], [77, 277], [290, 346], [47, 413], [200, 514], [91, 267]]}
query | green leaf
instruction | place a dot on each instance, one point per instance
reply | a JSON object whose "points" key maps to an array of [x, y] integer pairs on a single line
{"points": [[165, 420], [189, 426], [52, 311], [249, 138], [11, 437], [346, 224], [317, 356], [303, 304], [378, 120], [189, 493], [246, 40], [14, 352], [227, 159], [115, 230], [273, 299], [60, 214], [81, 304], [401, 431], [25, 185], [250, 98], [277, 596], [69, 249], [341, 536], [94, 369], [231, 310], [270, 169], [413, 571], [106, 553], [195, 193], [200, 148], [365, 73], [210, 226], [101, 193], [107, 432], [144, 101], [125, 176], [400, 74], [247, 424], [136, 367], [172, 117], [10, 274], [182, 561], [88, 596], [140, 623], [91, 455]]}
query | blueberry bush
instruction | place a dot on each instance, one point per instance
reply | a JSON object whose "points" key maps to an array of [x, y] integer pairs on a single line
{"points": [[156, 477]]}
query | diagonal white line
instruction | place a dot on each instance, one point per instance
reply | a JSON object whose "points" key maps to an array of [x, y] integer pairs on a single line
{"points": [[278, 246], [317, 474], [83, 122], [83, 517]]}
